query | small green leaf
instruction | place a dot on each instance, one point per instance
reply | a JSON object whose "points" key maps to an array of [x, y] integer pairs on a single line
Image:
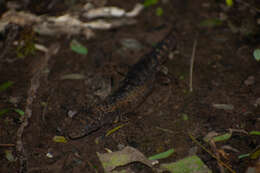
{"points": [[210, 23], [256, 153], [148, 3], [257, 54], [6, 85], [181, 77], [192, 164], [185, 117], [59, 139], [114, 129], [4, 111], [243, 156], [222, 137], [78, 47], [254, 133], [159, 11], [9, 156], [162, 155], [19, 111], [229, 3]]}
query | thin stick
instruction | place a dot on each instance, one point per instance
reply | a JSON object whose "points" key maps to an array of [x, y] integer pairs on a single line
{"points": [[248, 5], [32, 91], [211, 154], [7, 145], [192, 62]]}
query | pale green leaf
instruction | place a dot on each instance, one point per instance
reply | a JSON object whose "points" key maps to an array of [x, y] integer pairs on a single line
{"points": [[159, 11], [257, 54], [243, 156], [162, 155], [223, 137], [78, 47], [9, 156], [229, 3], [192, 164], [59, 139], [185, 117]]}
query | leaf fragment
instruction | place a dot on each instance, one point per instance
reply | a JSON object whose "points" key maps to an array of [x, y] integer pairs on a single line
{"points": [[257, 54], [6, 85], [192, 164], [162, 155], [4, 111], [110, 161], [9, 156], [59, 139], [78, 47], [254, 132], [223, 137], [229, 3], [256, 153], [72, 76], [148, 3], [210, 23], [243, 156], [19, 111], [114, 129], [159, 11]]}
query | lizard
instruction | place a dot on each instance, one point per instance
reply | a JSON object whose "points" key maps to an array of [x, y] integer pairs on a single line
{"points": [[132, 91]]}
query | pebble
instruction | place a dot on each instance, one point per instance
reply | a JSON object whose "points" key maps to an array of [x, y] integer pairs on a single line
{"points": [[131, 44], [72, 113], [249, 81]]}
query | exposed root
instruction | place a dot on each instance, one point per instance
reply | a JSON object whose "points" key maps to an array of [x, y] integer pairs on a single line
{"points": [[35, 83]]}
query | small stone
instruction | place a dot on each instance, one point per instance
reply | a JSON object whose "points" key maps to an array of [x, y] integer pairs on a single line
{"points": [[164, 70], [131, 44], [249, 81], [223, 16], [120, 146], [257, 102], [72, 113], [193, 150], [49, 155], [223, 106], [14, 100], [258, 21], [206, 5], [88, 6]]}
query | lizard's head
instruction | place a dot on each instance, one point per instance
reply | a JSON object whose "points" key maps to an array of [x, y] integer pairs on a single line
{"points": [[80, 126]]}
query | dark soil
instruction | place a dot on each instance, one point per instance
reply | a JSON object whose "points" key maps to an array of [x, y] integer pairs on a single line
{"points": [[223, 62]]}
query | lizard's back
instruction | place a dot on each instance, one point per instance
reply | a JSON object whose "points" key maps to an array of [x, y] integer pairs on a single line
{"points": [[131, 92]]}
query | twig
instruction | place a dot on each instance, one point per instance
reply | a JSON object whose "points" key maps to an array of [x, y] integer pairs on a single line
{"points": [[7, 145], [192, 62], [211, 154], [215, 150], [35, 83], [249, 5]]}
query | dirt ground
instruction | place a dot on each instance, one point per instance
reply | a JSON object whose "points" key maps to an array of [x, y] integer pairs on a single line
{"points": [[225, 72]]}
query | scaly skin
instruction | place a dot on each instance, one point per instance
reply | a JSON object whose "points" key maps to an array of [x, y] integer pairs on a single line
{"points": [[132, 91]]}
